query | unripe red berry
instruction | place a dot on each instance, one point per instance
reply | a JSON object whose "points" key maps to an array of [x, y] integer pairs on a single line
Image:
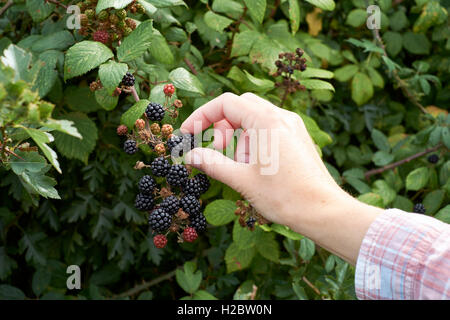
{"points": [[160, 241], [169, 89], [155, 128], [140, 124], [166, 130], [101, 36], [122, 130], [160, 149], [189, 234]]}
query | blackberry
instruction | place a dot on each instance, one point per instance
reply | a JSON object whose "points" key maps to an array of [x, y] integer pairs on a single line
{"points": [[203, 181], [147, 184], [419, 208], [177, 175], [173, 142], [434, 158], [101, 36], [160, 167], [178, 144], [170, 204], [190, 205], [128, 80], [290, 70], [144, 202], [130, 147], [198, 222], [155, 111], [189, 234], [160, 220], [160, 241], [192, 187], [251, 222]]}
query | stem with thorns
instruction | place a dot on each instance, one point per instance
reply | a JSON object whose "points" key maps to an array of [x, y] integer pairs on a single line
{"points": [[6, 6]]}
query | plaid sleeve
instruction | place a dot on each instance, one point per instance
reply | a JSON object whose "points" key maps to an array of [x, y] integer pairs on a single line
{"points": [[404, 256]]}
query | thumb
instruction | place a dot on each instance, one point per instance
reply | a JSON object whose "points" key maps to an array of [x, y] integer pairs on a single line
{"points": [[219, 167]]}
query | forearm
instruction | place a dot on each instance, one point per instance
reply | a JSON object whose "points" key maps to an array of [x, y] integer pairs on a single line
{"points": [[337, 224]]}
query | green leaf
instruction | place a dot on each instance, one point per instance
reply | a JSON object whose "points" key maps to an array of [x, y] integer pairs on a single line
{"points": [[317, 84], [42, 138], [346, 72], [321, 138], [380, 140], [362, 88], [167, 3], [433, 201], [203, 295], [81, 99], [381, 188], [133, 113], [137, 43], [317, 73], [323, 4], [17, 59], [267, 246], [285, 231], [256, 9], [243, 42], [372, 199], [64, 126], [261, 85], [187, 279], [160, 49], [41, 280], [60, 40], [394, 42], [356, 18], [41, 184], [183, 79], [299, 291], [238, 259], [376, 78], [307, 249], [417, 179], [8, 292], [294, 15], [382, 158], [220, 212], [265, 52], [85, 56], [39, 10], [116, 4], [6, 265], [227, 7], [28, 244], [416, 43], [74, 148], [216, 21], [403, 203], [105, 99], [111, 74], [243, 237], [31, 161], [444, 214]]}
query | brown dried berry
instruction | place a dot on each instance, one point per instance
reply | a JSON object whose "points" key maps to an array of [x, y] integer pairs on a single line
{"points": [[140, 124], [117, 92], [178, 104], [160, 149], [166, 130], [122, 130], [155, 128]]}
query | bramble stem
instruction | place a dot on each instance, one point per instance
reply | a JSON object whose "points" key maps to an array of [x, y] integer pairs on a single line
{"points": [[134, 93], [6, 6]]}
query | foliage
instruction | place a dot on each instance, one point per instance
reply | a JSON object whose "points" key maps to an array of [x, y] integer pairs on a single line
{"points": [[375, 99]]}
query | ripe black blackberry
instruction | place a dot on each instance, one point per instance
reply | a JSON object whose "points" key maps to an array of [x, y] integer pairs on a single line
{"points": [[144, 202], [160, 220], [198, 222], [128, 80], [192, 187], [434, 158], [251, 222], [190, 205], [160, 167], [173, 142], [155, 111], [170, 204], [147, 184], [177, 175], [203, 181], [130, 147], [419, 208], [189, 142]]}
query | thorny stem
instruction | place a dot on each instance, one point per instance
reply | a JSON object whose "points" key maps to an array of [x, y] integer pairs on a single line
{"points": [[372, 172], [134, 93], [6, 6], [191, 66], [286, 90]]}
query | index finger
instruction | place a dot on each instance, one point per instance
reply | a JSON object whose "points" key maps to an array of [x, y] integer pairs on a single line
{"points": [[236, 110]]}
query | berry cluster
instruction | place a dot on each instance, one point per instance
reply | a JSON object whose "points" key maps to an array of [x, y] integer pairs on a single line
{"points": [[248, 215], [170, 194], [289, 62], [419, 208], [109, 25]]}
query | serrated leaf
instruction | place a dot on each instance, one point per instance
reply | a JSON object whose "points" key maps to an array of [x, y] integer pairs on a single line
{"points": [[17, 59], [417, 179], [362, 88], [243, 42], [294, 15], [74, 148], [372, 199], [203, 295], [187, 279], [220, 212], [317, 84], [116, 4], [41, 280], [385, 191], [105, 99], [261, 85], [64, 126], [323, 4], [256, 9], [317, 73], [39, 10], [238, 259], [216, 22], [111, 74], [8, 292], [60, 40], [7, 264], [433, 201], [285, 231], [183, 79], [307, 249], [41, 184], [380, 140], [160, 50], [444, 214], [346, 72], [85, 56], [267, 246], [28, 245], [134, 112], [243, 237], [137, 43], [356, 18]]}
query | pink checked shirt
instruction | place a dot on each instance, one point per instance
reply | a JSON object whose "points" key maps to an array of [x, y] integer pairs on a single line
{"points": [[404, 256]]}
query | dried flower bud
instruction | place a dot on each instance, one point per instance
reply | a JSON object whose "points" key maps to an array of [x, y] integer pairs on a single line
{"points": [[139, 165], [178, 104]]}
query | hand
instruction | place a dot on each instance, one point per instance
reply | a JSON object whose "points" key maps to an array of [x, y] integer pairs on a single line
{"points": [[300, 193]]}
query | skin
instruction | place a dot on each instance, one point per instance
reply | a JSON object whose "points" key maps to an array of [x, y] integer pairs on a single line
{"points": [[302, 194]]}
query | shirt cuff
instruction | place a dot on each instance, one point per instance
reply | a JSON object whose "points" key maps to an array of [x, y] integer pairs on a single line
{"points": [[397, 256]]}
